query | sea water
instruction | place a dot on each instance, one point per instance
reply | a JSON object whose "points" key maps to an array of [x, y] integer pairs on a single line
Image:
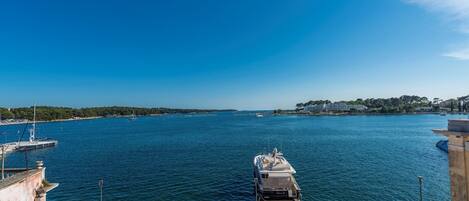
{"points": [[210, 156]]}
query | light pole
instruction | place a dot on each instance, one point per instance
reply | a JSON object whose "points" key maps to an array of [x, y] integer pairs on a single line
{"points": [[101, 185], [3, 161], [4, 148], [421, 186]]}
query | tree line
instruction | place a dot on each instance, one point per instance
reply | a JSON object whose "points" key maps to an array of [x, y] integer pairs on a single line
{"points": [[405, 103], [48, 113]]}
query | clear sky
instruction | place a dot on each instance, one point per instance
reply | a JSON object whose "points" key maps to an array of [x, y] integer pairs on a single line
{"points": [[230, 54]]}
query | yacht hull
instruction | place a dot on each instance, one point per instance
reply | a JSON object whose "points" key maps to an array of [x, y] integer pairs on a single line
{"points": [[274, 180]]}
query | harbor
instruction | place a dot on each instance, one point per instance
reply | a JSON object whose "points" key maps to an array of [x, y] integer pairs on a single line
{"points": [[234, 100], [26, 145], [212, 156], [25, 183], [273, 176]]}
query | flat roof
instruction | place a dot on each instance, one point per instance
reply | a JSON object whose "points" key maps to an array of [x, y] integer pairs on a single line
{"points": [[18, 177], [447, 133]]}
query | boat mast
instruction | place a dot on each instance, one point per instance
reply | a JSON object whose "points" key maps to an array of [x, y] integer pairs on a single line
{"points": [[32, 131]]}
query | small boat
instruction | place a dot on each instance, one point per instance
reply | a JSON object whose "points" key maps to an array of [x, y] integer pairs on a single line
{"points": [[133, 117], [259, 115], [442, 145], [273, 178]]}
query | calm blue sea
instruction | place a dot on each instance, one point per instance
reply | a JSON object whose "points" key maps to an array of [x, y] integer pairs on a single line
{"points": [[209, 156]]}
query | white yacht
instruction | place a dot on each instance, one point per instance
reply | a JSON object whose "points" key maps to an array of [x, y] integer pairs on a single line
{"points": [[259, 115], [273, 178]]}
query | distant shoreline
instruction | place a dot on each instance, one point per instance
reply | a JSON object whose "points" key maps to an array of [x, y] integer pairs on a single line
{"points": [[19, 122], [364, 113], [55, 114], [26, 121]]}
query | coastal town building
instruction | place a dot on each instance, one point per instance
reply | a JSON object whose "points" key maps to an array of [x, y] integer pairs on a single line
{"points": [[358, 107], [334, 107], [315, 108], [463, 103], [25, 184], [424, 109], [337, 107]]}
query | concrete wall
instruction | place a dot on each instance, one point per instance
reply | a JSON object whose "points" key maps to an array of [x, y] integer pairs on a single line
{"points": [[457, 156], [25, 188]]}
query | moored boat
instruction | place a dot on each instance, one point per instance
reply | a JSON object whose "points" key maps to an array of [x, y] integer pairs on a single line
{"points": [[133, 117], [442, 145], [274, 178]]}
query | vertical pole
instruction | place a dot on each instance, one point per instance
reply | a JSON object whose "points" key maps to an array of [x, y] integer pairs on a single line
{"points": [[32, 134], [101, 185], [3, 162], [26, 159], [420, 187]]}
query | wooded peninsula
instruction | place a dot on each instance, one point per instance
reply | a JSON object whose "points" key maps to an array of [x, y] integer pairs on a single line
{"points": [[49, 113], [403, 104]]}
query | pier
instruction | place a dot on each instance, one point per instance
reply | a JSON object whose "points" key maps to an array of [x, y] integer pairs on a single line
{"points": [[36, 144], [31, 144]]}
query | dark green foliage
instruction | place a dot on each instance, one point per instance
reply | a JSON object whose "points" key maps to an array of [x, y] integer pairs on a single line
{"points": [[5, 114], [402, 104], [47, 113], [317, 102]]}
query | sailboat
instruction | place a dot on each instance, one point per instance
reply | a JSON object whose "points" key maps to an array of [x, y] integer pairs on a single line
{"points": [[133, 116], [33, 142]]}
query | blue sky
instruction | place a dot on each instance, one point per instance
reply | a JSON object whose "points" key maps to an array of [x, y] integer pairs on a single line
{"points": [[230, 54]]}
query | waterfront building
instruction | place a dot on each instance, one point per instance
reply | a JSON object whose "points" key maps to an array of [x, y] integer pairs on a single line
{"points": [[463, 103], [445, 109], [424, 109], [360, 108], [315, 108], [334, 107], [25, 184], [458, 157], [337, 107]]}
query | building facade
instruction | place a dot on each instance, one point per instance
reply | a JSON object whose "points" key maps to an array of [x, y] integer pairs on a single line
{"points": [[334, 107], [21, 184]]}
